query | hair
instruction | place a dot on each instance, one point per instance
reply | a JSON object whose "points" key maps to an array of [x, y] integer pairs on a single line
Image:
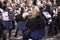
{"points": [[35, 14], [26, 16], [8, 8]]}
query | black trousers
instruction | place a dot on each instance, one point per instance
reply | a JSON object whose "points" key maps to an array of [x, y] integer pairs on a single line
{"points": [[13, 22], [2, 35]]}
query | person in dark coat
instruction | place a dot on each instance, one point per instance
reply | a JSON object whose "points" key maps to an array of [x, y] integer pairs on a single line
{"points": [[19, 19], [48, 5], [35, 24], [10, 23], [2, 27], [11, 17], [22, 10], [4, 5], [19, 16], [57, 23]]}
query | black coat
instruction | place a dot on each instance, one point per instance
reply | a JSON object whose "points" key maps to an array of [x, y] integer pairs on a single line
{"points": [[11, 16], [22, 10], [57, 22], [19, 18], [2, 27], [58, 16], [36, 23]]}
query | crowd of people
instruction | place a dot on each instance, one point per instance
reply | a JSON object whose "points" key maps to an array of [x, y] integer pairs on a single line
{"points": [[31, 17]]}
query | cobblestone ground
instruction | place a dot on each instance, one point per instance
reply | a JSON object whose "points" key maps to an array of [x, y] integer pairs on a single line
{"points": [[20, 36]]}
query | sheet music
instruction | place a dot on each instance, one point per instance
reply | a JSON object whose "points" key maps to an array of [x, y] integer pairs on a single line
{"points": [[47, 15]]}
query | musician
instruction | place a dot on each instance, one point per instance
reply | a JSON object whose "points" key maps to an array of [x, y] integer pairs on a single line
{"points": [[33, 20], [58, 20], [35, 23], [8, 20], [11, 16], [2, 27]]}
